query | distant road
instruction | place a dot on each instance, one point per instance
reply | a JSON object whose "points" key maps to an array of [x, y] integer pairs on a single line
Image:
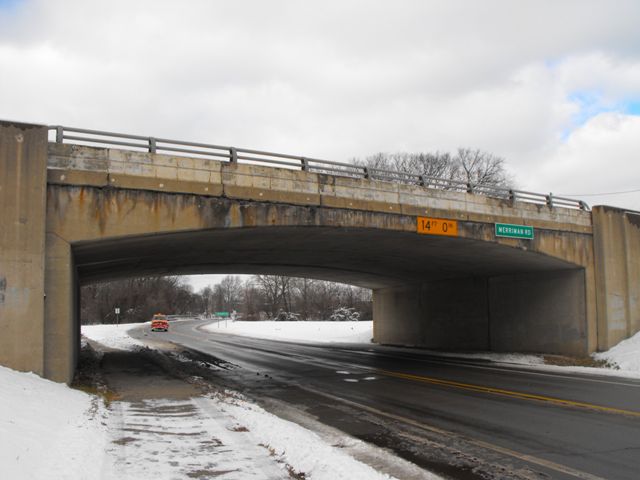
{"points": [[457, 417]]}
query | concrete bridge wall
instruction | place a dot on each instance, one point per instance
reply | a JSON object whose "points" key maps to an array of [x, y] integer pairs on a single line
{"points": [[23, 163], [110, 213], [617, 248], [541, 312]]}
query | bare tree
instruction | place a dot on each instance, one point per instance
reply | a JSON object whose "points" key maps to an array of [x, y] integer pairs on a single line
{"points": [[268, 296], [277, 292], [138, 299], [481, 168], [473, 167]]}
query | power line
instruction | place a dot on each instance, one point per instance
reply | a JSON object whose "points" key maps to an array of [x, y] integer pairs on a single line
{"points": [[598, 194]]}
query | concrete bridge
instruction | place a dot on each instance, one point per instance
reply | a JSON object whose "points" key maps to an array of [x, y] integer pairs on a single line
{"points": [[449, 269]]}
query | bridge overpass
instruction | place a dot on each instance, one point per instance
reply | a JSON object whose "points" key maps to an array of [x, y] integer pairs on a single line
{"points": [[451, 265]]}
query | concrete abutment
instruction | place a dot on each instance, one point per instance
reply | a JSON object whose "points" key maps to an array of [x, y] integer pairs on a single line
{"points": [[23, 177], [616, 239], [541, 312]]}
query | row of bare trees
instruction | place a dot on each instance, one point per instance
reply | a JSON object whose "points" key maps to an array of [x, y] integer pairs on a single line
{"points": [[137, 298], [475, 167], [263, 297], [259, 297]]}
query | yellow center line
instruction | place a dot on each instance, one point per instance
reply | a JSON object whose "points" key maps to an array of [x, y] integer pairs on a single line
{"points": [[508, 393]]}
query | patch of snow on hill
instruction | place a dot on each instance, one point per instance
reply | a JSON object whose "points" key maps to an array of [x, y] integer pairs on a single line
{"points": [[113, 336], [331, 332]]}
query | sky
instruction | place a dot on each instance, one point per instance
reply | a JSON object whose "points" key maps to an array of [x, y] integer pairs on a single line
{"points": [[553, 87]]}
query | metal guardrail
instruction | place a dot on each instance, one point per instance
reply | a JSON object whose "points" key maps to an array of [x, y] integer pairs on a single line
{"points": [[87, 137]]}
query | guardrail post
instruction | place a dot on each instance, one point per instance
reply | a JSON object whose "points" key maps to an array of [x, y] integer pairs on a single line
{"points": [[59, 134], [233, 155], [423, 181], [365, 170], [469, 187], [513, 196], [152, 145], [583, 205], [550, 200], [305, 164]]}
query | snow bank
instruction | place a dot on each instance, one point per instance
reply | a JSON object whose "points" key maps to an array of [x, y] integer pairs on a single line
{"points": [[332, 332], [48, 430], [113, 336], [515, 358], [626, 355], [303, 449]]}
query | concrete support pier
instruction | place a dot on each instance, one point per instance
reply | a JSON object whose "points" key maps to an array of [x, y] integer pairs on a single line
{"points": [[541, 312], [23, 186], [62, 325], [616, 243]]}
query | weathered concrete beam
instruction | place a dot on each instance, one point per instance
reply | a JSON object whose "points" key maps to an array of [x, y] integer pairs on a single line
{"points": [[91, 166]]}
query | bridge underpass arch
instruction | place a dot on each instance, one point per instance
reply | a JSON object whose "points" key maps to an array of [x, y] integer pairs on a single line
{"points": [[467, 293]]}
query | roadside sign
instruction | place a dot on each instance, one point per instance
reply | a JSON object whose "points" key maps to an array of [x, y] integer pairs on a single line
{"points": [[117, 310], [221, 314], [438, 226], [514, 231]]}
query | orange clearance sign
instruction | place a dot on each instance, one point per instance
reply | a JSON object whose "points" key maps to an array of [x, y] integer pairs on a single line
{"points": [[438, 226]]}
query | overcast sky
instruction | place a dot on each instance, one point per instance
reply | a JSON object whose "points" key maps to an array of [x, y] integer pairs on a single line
{"points": [[551, 86]]}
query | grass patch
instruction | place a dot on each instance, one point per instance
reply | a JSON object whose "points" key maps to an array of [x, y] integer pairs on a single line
{"points": [[565, 361]]}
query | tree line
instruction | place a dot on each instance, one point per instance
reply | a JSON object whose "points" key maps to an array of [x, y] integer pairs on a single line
{"points": [[470, 166], [259, 297]]}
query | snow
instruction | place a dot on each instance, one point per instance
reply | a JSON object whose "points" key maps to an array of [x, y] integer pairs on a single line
{"points": [[189, 438], [625, 354], [113, 336], [330, 332], [514, 358], [302, 449], [48, 430]]}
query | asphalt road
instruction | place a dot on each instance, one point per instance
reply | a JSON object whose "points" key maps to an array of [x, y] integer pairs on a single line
{"points": [[460, 418]]}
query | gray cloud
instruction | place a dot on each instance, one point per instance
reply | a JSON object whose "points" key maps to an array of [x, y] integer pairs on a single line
{"points": [[339, 79]]}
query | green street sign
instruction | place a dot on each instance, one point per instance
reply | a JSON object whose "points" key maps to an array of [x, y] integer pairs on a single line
{"points": [[221, 314], [514, 231]]}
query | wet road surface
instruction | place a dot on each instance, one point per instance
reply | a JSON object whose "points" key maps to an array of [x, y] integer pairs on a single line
{"points": [[460, 418]]}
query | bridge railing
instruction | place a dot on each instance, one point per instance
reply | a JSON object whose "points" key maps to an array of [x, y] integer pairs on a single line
{"points": [[81, 136]]}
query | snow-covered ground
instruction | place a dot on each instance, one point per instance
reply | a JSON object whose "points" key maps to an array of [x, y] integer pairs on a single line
{"points": [[221, 435], [113, 336], [337, 332], [48, 430]]}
